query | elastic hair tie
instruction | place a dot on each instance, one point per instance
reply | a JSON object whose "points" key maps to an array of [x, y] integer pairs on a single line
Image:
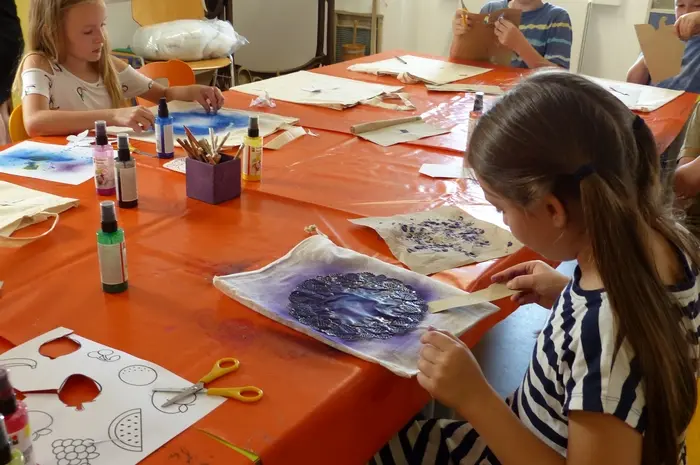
{"points": [[583, 172], [638, 123]]}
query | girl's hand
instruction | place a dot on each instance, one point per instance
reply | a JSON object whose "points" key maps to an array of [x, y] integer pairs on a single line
{"points": [[537, 282], [210, 98], [449, 372], [688, 25], [509, 35], [139, 119], [461, 23]]}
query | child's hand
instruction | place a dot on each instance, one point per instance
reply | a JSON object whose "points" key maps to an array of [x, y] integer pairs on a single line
{"points": [[210, 98], [688, 25], [449, 372], [137, 118], [509, 35], [461, 23], [687, 180], [537, 282]]}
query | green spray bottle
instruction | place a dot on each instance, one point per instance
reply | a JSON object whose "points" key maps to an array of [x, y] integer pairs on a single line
{"points": [[111, 251]]}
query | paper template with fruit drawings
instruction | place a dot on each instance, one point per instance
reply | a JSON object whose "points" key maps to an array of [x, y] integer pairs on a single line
{"points": [[122, 425]]}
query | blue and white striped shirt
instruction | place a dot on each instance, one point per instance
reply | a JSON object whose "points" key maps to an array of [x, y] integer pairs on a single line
{"points": [[575, 367], [547, 29]]}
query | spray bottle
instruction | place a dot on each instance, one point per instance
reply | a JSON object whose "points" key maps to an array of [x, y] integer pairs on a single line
{"points": [[7, 455], [111, 251], [16, 419], [252, 152], [127, 194], [103, 159], [474, 116], [164, 131]]}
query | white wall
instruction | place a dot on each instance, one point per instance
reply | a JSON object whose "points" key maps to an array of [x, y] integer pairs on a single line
{"points": [[611, 43], [120, 25]]}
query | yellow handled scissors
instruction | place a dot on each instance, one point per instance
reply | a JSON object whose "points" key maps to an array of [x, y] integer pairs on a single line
{"points": [[243, 394]]}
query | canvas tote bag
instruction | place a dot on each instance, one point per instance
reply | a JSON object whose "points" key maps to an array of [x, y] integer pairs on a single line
{"points": [[21, 207]]}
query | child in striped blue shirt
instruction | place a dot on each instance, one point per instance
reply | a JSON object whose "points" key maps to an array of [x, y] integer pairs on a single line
{"points": [[612, 378], [543, 39]]}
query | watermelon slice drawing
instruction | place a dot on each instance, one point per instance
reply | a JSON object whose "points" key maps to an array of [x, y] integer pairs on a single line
{"points": [[125, 431]]}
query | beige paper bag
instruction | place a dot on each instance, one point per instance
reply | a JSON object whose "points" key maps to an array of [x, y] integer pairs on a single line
{"points": [[21, 207]]}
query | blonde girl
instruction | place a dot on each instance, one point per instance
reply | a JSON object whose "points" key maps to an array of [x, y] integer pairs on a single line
{"points": [[612, 379], [69, 79]]}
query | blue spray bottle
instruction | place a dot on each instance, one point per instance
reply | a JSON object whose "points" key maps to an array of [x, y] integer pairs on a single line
{"points": [[164, 131]]}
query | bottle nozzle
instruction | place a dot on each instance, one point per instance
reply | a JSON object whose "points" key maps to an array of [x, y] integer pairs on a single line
{"points": [[123, 149], [253, 127], [101, 133], [479, 101], [108, 214], [163, 111]]}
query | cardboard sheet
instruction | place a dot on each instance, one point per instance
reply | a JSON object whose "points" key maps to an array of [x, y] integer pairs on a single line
{"points": [[317, 89], [490, 294], [662, 49], [286, 137], [123, 425], [318, 256], [480, 42], [441, 239], [198, 121], [490, 90], [637, 97], [423, 69], [451, 171], [404, 132]]}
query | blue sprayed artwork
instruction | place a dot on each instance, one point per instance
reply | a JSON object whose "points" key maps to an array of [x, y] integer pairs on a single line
{"points": [[59, 163], [354, 306], [450, 235], [199, 122]]}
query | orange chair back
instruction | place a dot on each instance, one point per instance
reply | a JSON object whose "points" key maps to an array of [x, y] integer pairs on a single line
{"points": [[178, 73], [18, 133]]}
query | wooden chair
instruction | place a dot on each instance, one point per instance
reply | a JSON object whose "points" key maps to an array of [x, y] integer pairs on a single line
{"points": [[16, 126], [178, 73], [148, 12]]}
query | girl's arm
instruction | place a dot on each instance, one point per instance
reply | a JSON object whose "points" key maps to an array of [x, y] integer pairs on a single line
{"points": [[639, 73]]}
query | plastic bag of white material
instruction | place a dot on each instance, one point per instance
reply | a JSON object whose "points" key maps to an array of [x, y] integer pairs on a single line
{"points": [[187, 40]]}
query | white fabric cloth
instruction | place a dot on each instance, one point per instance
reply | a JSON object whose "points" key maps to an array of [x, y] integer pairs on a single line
{"points": [[66, 91], [267, 292], [21, 207], [441, 239]]}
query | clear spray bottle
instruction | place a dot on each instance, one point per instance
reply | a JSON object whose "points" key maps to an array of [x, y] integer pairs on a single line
{"points": [[127, 194], [111, 251]]}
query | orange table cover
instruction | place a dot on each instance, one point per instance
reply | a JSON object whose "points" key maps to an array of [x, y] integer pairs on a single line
{"points": [[320, 406]]}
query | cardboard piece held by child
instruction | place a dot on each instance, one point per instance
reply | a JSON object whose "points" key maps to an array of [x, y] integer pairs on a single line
{"points": [[662, 49], [480, 41]]}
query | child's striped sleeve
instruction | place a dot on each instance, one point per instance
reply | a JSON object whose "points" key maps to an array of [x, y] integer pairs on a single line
{"points": [[559, 39]]}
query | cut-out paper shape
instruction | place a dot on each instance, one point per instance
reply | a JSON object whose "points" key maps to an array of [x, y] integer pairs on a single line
{"points": [[78, 390], [74, 451], [180, 406], [428, 70], [138, 375], [480, 43], [638, 97], [126, 431], [59, 347], [9, 363], [105, 355], [356, 306], [40, 423], [663, 50]]}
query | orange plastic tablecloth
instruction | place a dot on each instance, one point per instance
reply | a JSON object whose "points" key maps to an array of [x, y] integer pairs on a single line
{"points": [[446, 109]]}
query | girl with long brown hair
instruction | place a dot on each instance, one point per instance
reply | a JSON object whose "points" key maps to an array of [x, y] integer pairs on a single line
{"points": [[613, 375], [69, 79]]}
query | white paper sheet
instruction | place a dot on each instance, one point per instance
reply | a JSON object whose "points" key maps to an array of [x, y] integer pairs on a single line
{"points": [[50, 162], [224, 121], [450, 171], [424, 69], [490, 90], [406, 132], [318, 256], [638, 97], [441, 239], [317, 89], [177, 164], [122, 426], [285, 138]]}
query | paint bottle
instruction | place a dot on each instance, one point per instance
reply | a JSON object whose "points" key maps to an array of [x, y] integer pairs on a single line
{"points": [[164, 131], [125, 173], [103, 159], [252, 152], [111, 251], [7, 455], [474, 116], [16, 419]]}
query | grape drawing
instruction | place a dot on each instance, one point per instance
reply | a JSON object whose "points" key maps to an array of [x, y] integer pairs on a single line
{"points": [[74, 451]]}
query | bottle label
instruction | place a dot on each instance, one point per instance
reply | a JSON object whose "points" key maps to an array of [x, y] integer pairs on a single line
{"points": [[164, 139], [126, 184], [22, 442], [104, 172], [113, 268], [252, 163]]}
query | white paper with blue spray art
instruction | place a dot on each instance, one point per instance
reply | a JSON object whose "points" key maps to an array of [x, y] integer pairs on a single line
{"points": [[58, 163], [199, 121], [352, 302], [441, 239]]}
